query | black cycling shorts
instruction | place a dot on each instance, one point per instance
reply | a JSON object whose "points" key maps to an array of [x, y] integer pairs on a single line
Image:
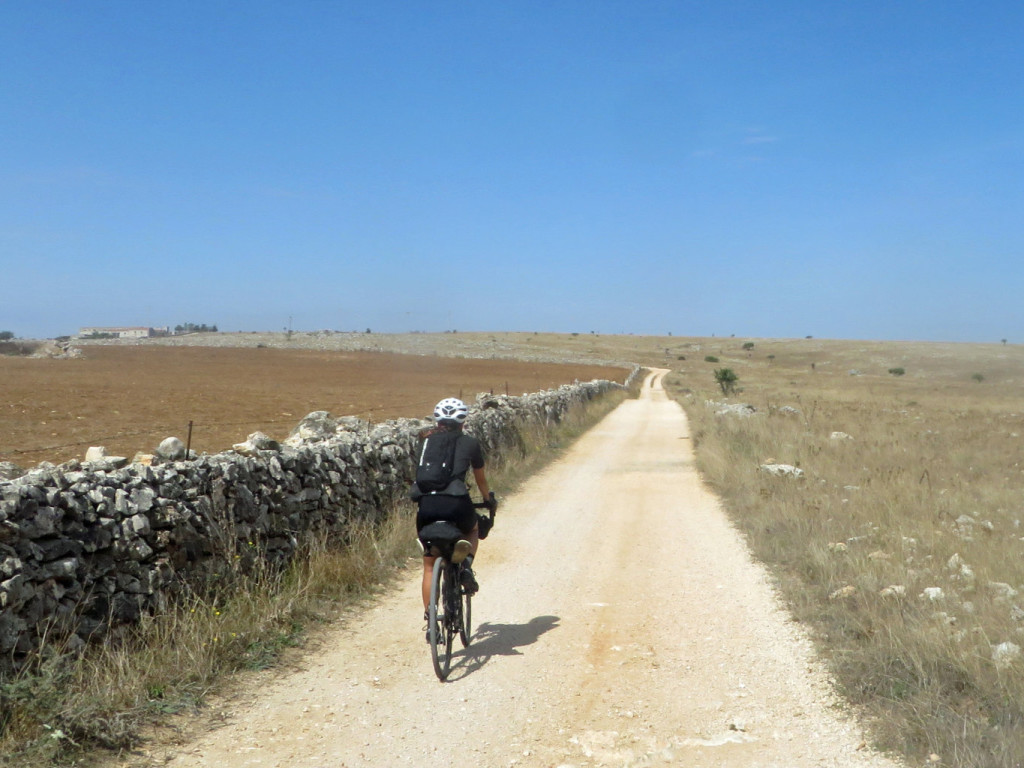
{"points": [[454, 509]]}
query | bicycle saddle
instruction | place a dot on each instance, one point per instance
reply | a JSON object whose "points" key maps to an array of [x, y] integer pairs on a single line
{"points": [[439, 538]]}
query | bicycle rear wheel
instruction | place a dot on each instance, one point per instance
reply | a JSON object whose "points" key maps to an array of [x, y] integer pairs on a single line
{"points": [[438, 635]]}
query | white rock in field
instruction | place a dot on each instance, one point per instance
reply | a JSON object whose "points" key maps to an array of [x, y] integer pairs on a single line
{"points": [[171, 449], [878, 554], [1005, 654], [894, 590], [318, 425], [935, 594], [789, 410], [843, 592], [1002, 591], [256, 442], [838, 546], [782, 470], [96, 453], [839, 437], [960, 571], [964, 526], [734, 409]]}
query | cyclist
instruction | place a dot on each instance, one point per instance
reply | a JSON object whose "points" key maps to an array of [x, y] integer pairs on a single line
{"points": [[454, 504]]}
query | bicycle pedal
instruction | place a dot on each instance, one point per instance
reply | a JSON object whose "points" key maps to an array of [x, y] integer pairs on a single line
{"points": [[461, 551]]}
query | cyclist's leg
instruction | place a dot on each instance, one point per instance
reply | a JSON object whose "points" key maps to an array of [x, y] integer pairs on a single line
{"points": [[428, 575], [426, 514], [468, 522]]}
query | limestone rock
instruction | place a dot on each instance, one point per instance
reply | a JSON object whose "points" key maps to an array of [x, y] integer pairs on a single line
{"points": [[843, 592], [255, 443], [1001, 591], [1005, 654], [960, 571], [318, 425], [171, 449], [10, 470], [732, 409], [782, 470], [96, 453]]}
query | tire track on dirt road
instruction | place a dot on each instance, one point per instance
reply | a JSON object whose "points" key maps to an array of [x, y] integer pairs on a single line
{"points": [[621, 622]]}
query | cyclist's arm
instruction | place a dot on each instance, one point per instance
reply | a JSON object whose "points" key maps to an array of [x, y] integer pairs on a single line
{"points": [[481, 481]]}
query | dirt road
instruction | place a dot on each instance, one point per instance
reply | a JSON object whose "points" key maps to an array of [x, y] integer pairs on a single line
{"points": [[620, 623]]}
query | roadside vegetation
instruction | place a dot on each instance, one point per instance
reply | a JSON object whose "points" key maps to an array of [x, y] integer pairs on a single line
{"points": [[901, 544], [17, 347], [85, 710]]}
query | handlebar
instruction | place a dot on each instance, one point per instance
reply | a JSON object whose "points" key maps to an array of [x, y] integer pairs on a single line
{"points": [[490, 503]]}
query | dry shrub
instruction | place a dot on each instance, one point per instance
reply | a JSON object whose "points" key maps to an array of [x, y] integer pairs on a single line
{"points": [[925, 490]]}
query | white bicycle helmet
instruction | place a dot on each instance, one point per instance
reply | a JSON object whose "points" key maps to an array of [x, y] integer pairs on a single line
{"points": [[451, 409]]}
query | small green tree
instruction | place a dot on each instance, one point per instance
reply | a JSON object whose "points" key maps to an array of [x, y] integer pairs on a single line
{"points": [[897, 371], [978, 377], [6, 335], [710, 359], [748, 345], [726, 378]]}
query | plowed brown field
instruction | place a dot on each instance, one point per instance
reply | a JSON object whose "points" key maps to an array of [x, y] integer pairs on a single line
{"points": [[130, 398]]}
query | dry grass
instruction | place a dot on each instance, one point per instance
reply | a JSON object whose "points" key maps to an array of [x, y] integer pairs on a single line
{"points": [[62, 708], [61, 711], [927, 491]]}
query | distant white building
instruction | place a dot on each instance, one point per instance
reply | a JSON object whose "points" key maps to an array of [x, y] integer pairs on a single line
{"points": [[134, 332]]}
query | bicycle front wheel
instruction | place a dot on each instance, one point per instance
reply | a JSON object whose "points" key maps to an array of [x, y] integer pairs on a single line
{"points": [[440, 645]]}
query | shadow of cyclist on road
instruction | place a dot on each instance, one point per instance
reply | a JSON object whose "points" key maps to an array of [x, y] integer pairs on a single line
{"points": [[499, 640]]}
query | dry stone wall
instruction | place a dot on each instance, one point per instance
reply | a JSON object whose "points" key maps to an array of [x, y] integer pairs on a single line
{"points": [[86, 549]]}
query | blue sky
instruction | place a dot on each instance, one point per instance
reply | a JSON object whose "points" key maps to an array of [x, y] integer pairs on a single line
{"points": [[767, 169]]}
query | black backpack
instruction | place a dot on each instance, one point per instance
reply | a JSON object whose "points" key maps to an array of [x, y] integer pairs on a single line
{"points": [[437, 460]]}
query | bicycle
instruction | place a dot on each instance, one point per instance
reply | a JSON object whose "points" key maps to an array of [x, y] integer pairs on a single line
{"points": [[450, 610]]}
